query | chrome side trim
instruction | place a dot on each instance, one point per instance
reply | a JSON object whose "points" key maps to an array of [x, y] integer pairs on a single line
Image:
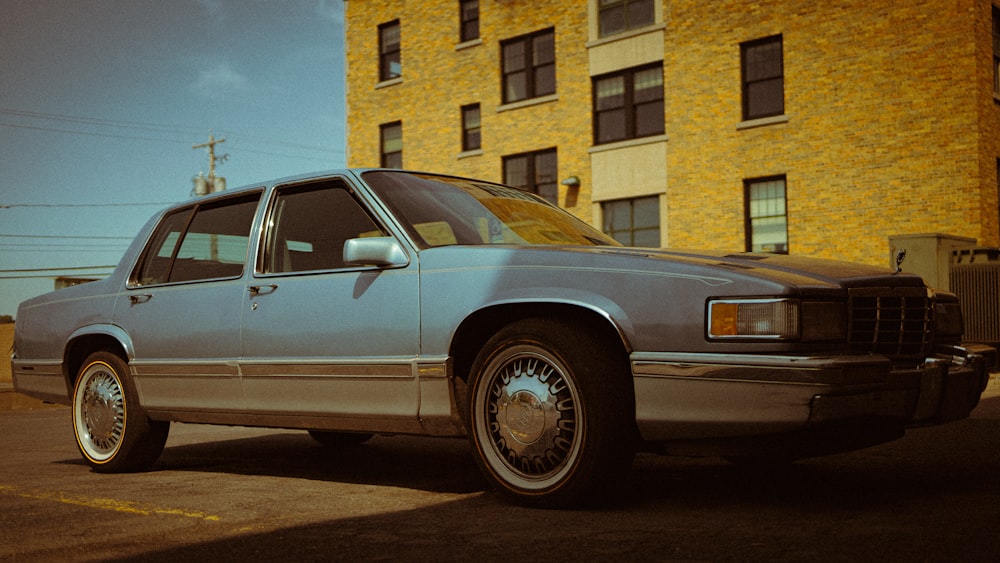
{"points": [[773, 369], [40, 379]]}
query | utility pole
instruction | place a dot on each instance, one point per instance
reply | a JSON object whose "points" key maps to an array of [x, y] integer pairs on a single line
{"points": [[211, 184]]}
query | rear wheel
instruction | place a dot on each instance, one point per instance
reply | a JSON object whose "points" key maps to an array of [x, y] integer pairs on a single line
{"points": [[112, 430], [552, 415]]}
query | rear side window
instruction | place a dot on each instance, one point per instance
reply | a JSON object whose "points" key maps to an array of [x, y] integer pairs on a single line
{"points": [[310, 224], [200, 242]]}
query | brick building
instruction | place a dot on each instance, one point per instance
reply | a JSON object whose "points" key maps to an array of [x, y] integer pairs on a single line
{"points": [[817, 128]]}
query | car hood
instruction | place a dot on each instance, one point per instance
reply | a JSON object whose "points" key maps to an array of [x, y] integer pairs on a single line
{"points": [[779, 270]]}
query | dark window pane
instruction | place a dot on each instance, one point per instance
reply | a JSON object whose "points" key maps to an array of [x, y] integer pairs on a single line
{"points": [[389, 51], [513, 56], [763, 78], [765, 98], [544, 49], [392, 145], [515, 172], [639, 13], [535, 171], [610, 92], [470, 19], [470, 127], [633, 222], [616, 16], [649, 119], [516, 87], [612, 20], [628, 104], [647, 238], [528, 66], [611, 126], [545, 80]]}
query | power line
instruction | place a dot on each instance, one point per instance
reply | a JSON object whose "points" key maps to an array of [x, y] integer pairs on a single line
{"points": [[146, 126]]}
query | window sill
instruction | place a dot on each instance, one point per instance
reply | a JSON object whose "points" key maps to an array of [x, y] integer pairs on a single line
{"points": [[390, 82], [626, 35], [762, 122], [467, 44], [627, 143], [468, 154], [529, 102]]}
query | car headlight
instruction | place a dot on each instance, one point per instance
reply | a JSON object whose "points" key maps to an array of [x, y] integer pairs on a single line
{"points": [[772, 318]]}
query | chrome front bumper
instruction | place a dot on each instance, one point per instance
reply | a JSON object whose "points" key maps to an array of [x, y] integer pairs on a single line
{"points": [[708, 396]]}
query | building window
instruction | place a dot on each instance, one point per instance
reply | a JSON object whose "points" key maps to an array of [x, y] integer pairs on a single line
{"points": [[392, 145], [628, 104], [529, 66], [996, 51], [766, 216], [616, 16], [633, 222], [763, 78], [471, 138], [468, 13], [389, 62], [536, 172]]}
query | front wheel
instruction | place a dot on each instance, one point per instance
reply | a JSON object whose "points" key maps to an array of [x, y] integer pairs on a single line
{"points": [[112, 430], [552, 414]]}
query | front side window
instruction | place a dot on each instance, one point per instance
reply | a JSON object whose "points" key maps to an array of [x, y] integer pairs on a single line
{"points": [[529, 66], [201, 242], [389, 61], [471, 134], [309, 226], [468, 13], [633, 222], [536, 172], [616, 16], [766, 215], [763, 78], [391, 142], [628, 104]]}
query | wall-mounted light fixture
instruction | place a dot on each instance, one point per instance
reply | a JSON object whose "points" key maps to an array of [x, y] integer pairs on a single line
{"points": [[571, 182]]}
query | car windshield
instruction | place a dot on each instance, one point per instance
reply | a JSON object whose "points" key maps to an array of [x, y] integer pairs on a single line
{"points": [[441, 211]]}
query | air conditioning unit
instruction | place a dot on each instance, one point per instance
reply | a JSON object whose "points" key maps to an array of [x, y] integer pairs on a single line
{"points": [[975, 277]]}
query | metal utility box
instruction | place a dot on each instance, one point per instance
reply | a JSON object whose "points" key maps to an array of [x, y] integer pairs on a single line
{"points": [[928, 255]]}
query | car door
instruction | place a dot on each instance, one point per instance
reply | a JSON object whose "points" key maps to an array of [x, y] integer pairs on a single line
{"points": [[321, 338], [182, 307]]}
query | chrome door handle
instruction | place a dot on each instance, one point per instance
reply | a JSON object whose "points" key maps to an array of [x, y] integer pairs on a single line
{"points": [[266, 289], [137, 298]]}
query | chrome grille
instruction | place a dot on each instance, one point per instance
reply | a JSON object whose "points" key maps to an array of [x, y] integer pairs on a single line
{"points": [[895, 322]]}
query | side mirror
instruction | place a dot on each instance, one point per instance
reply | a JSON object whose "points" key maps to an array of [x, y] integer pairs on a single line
{"points": [[374, 251]]}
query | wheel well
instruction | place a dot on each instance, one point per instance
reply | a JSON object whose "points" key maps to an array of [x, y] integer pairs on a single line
{"points": [[78, 350], [477, 329]]}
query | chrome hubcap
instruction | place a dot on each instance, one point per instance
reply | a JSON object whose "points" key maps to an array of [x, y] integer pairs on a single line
{"points": [[102, 412], [531, 416]]}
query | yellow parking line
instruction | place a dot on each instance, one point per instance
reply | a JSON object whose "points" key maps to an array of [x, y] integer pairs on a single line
{"points": [[106, 504]]}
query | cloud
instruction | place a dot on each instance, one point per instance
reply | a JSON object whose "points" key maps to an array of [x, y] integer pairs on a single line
{"points": [[219, 81]]}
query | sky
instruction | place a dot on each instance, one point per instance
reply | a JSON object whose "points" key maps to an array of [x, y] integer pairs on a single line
{"points": [[101, 102]]}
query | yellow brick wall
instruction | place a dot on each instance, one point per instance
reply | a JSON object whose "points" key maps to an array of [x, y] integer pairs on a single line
{"points": [[437, 80], [881, 133], [891, 125]]}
